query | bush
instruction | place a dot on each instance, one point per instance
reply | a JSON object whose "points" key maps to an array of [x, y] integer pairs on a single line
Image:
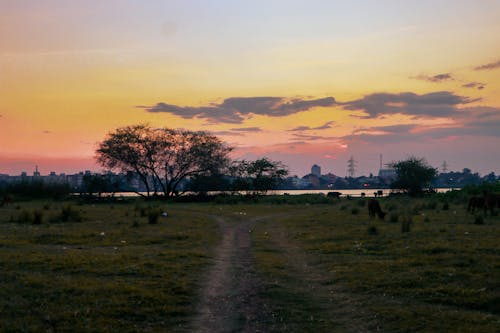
{"points": [[69, 214], [394, 217], [446, 206], [432, 205], [406, 224], [153, 216], [478, 219], [355, 211], [372, 230], [37, 217], [24, 217], [362, 202]]}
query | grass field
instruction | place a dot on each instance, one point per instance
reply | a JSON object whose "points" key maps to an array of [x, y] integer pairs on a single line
{"points": [[429, 267]]}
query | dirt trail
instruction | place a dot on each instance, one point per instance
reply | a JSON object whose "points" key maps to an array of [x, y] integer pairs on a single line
{"points": [[229, 300]]}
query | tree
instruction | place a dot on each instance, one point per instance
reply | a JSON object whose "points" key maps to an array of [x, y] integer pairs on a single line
{"points": [[162, 157], [412, 175], [257, 176]]}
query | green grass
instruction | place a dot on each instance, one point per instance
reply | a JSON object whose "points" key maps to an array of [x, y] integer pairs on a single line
{"points": [[321, 266], [102, 273]]}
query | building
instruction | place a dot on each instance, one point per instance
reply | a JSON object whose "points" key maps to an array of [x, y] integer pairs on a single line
{"points": [[316, 170]]}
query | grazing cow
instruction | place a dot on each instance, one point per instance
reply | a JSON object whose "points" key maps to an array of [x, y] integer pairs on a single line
{"points": [[374, 209], [491, 201], [475, 203], [333, 194]]}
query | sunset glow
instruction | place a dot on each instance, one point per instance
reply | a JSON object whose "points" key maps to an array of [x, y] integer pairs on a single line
{"points": [[304, 82]]}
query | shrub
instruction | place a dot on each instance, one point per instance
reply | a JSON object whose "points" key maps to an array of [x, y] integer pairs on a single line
{"points": [[68, 214], [355, 211], [153, 216], [24, 217], [478, 219], [432, 205], [406, 223], [372, 230], [37, 217], [446, 206], [394, 217]]}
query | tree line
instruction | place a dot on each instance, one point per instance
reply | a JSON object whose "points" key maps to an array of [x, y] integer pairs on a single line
{"points": [[162, 158]]}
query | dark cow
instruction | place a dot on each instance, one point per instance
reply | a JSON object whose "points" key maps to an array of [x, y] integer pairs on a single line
{"points": [[491, 201], [333, 194], [475, 203], [374, 209]]}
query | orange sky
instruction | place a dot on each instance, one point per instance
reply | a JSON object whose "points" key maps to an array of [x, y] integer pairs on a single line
{"points": [[406, 78]]}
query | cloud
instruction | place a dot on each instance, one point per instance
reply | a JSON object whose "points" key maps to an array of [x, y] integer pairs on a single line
{"points": [[469, 122], [434, 78], [305, 137], [307, 128], [325, 126], [436, 104], [237, 109], [477, 85], [489, 66], [300, 129], [247, 129]]}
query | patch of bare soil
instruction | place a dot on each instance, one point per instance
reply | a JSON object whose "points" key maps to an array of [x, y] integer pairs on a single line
{"points": [[230, 298]]}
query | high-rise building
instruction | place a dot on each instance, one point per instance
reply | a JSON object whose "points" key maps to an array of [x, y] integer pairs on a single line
{"points": [[316, 170]]}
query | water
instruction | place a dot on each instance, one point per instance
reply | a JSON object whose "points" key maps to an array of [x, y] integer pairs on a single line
{"points": [[352, 193]]}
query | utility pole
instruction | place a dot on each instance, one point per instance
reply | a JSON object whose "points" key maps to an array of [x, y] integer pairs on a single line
{"points": [[351, 167]]}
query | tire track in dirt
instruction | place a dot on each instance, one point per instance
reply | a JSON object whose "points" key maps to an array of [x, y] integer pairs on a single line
{"points": [[345, 307], [230, 296]]}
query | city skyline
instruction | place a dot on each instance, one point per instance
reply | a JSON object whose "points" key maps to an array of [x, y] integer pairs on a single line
{"points": [[303, 82]]}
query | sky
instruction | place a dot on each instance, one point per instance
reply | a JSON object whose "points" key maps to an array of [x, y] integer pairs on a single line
{"points": [[304, 82]]}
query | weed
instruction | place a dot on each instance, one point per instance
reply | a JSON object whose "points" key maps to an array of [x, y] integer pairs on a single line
{"points": [[406, 224], [37, 217], [24, 217], [69, 214], [394, 217], [372, 230], [432, 205], [153, 216]]}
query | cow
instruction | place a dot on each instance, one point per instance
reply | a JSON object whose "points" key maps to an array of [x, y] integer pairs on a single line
{"points": [[333, 194], [374, 209], [491, 201]]}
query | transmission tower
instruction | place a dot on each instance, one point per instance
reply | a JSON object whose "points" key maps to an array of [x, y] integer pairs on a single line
{"points": [[351, 167], [444, 167]]}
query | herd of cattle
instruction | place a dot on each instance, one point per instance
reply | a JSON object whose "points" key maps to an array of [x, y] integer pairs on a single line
{"points": [[487, 202]]}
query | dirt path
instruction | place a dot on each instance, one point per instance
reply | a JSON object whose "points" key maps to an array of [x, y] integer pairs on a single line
{"points": [[230, 298]]}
